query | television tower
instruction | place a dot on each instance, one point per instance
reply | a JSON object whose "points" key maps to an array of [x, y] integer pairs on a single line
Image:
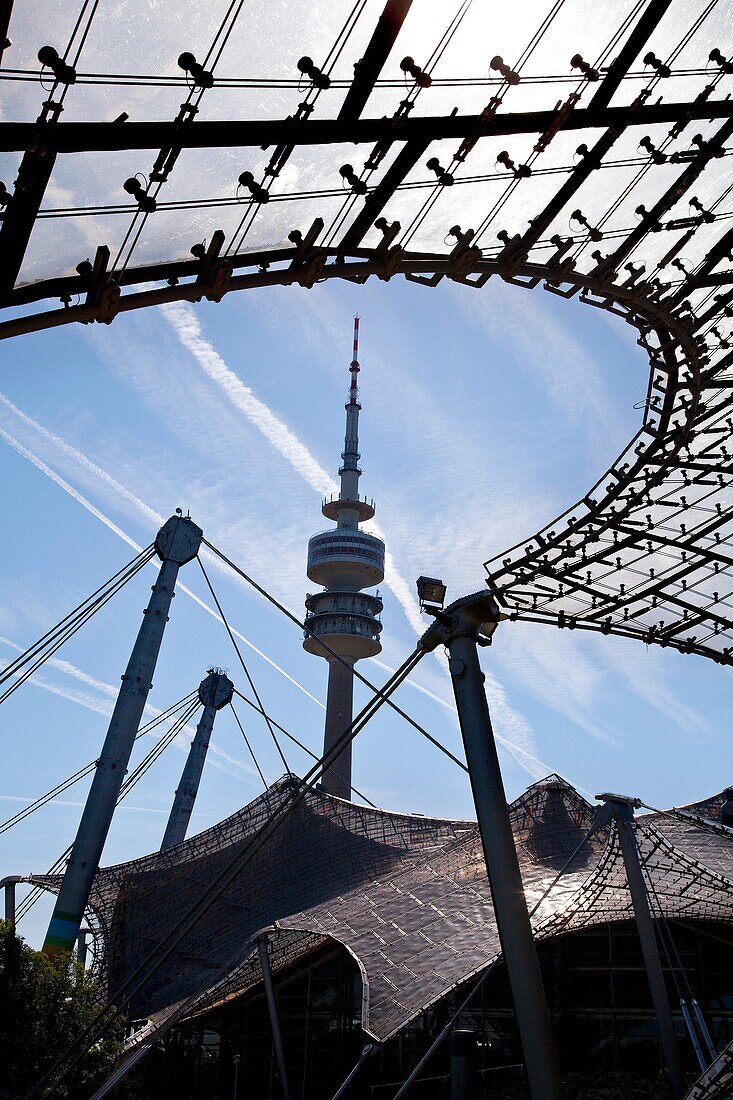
{"points": [[345, 561]]}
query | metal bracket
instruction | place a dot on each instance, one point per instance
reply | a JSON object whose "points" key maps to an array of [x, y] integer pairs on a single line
{"points": [[308, 261], [215, 274], [477, 615], [103, 293]]}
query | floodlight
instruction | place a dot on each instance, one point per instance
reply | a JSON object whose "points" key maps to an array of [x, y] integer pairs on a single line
{"points": [[431, 592]]}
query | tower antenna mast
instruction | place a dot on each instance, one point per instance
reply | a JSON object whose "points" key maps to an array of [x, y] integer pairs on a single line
{"points": [[345, 560]]}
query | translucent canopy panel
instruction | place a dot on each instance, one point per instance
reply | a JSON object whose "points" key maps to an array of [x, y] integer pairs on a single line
{"points": [[155, 152]]}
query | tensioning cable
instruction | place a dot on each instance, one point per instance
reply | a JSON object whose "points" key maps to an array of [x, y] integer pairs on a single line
{"points": [[181, 930], [65, 784], [36, 655], [295, 740], [332, 653]]}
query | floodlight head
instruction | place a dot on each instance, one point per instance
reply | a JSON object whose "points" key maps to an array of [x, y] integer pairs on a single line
{"points": [[431, 592]]}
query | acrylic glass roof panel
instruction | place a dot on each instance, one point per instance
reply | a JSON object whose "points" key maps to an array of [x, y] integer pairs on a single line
{"points": [[295, 142], [261, 43]]}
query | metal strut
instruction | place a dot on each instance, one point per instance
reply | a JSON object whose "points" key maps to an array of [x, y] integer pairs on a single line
{"points": [[620, 809], [461, 627], [274, 1018]]}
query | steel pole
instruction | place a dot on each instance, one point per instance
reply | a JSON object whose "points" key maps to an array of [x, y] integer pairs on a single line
{"points": [[502, 865], [214, 692], [180, 815], [369, 1049], [9, 884], [463, 1068], [274, 1018], [623, 814], [81, 947], [176, 543]]}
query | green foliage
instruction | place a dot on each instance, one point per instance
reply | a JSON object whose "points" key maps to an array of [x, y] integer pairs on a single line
{"points": [[44, 1006]]}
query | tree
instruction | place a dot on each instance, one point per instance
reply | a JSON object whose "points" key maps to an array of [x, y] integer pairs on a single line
{"points": [[44, 1006]]}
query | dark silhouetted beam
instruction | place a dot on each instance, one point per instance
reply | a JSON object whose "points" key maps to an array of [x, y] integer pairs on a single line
{"points": [[80, 137], [718, 304], [575, 181], [618, 68], [719, 251], [671, 195], [367, 71], [403, 164], [6, 10], [20, 214]]}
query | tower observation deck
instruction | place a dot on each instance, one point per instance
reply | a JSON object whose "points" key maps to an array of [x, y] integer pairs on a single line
{"points": [[345, 561]]}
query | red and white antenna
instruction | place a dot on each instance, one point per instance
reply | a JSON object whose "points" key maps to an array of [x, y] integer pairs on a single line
{"points": [[354, 367]]}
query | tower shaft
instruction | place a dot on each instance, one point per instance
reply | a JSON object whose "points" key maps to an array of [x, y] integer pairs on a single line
{"points": [[336, 779], [177, 542]]}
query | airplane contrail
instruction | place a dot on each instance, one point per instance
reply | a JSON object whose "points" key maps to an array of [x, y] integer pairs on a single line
{"points": [[148, 512], [187, 327], [530, 763], [104, 708]]}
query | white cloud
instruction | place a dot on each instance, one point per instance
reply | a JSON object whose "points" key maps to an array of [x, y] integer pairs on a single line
{"points": [[516, 730], [103, 707], [140, 505]]}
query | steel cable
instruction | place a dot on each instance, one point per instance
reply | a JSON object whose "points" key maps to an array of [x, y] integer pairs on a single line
{"points": [[154, 960], [472, 993], [9, 669], [332, 653], [298, 743], [64, 785], [127, 786], [243, 663], [246, 741], [60, 636]]}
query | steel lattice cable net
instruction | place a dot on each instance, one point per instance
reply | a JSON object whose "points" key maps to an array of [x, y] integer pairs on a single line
{"points": [[683, 885], [407, 895], [647, 552]]}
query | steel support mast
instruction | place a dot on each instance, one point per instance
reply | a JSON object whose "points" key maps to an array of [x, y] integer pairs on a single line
{"points": [[620, 809], [176, 543], [274, 1017], [461, 627], [215, 692]]}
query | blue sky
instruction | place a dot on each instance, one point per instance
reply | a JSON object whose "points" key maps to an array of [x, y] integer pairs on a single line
{"points": [[485, 414]]}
